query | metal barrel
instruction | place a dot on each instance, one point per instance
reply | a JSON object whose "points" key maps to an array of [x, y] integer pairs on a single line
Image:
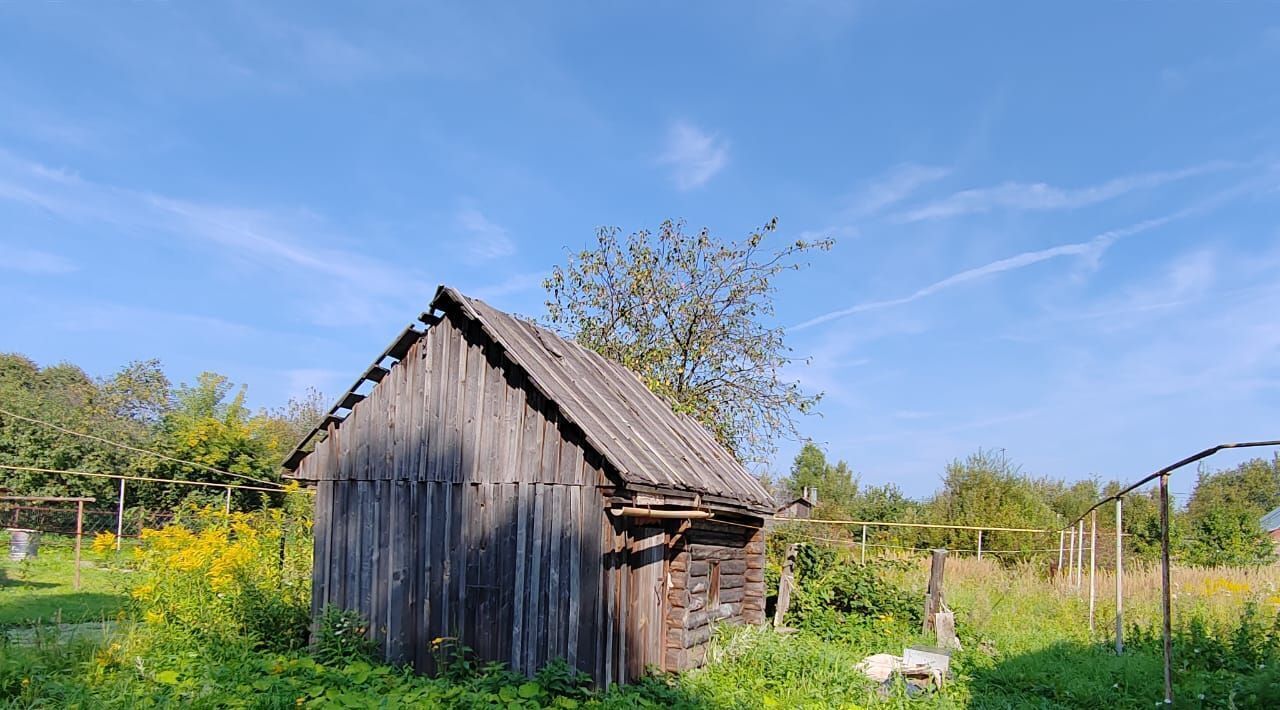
{"points": [[23, 544]]}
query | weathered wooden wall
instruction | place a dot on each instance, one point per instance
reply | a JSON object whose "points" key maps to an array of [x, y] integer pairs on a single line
{"points": [[736, 552], [455, 503]]}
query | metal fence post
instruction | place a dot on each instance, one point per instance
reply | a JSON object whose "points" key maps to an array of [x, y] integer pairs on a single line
{"points": [[1093, 544], [120, 516], [79, 534], [1166, 606], [1080, 555], [1062, 537], [1119, 578], [1071, 554]]}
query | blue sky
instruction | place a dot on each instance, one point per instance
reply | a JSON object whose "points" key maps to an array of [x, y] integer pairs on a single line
{"points": [[1057, 228]]}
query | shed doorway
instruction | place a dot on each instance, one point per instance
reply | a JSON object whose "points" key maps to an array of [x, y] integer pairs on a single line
{"points": [[648, 592]]}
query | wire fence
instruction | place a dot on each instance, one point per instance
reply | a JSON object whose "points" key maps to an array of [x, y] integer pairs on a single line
{"points": [[61, 520]]}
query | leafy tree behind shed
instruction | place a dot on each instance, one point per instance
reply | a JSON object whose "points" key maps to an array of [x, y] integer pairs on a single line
{"points": [[690, 313]]}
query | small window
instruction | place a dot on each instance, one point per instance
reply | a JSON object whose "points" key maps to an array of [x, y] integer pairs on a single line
{"points": [[713, 586]]}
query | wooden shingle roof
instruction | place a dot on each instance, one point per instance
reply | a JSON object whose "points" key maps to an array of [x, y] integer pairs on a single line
{"points": [[635, 431], [632, 428]]}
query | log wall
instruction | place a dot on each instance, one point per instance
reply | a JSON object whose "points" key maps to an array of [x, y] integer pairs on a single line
{"points": [[733, 556]]}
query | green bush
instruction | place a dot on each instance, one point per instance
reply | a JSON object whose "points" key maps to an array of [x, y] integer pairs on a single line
{"points": [[225, 576], [836, 594], [342, 637]]}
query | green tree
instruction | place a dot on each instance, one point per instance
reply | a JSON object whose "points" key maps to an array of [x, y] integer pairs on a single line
{"points": [[837, 486], [1223, 515], [63, 395], [985, 489], [689, 313]]}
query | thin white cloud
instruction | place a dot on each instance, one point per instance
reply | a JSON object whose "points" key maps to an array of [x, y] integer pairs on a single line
{"points": [[485, 239], [34, 261], [1091, 250], [1041, 196], [285, 241], [694, 155], [893, 187]]}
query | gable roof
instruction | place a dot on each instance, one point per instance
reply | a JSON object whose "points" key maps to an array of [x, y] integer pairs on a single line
{"points": [[1271, 520], [634, 430]]}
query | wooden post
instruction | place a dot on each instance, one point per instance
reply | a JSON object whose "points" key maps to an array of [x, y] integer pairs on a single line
{"points": [[979, 544], [227, 507], [864, 543], [785, 581], [1166, 606], [933, 599], [79, 534], [120, 516], [1093, 543], [1119, 580]]}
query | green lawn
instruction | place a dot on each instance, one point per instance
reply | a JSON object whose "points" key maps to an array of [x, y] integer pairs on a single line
{"points": [[41, 590]]}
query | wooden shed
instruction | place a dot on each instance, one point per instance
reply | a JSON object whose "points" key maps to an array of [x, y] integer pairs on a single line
{"points": [[488, 481]]}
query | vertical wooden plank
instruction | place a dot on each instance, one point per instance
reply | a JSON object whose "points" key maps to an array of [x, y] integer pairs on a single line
{"points": [[619, 610], [532, 426], [351, 563], [399, 422], [429, 586], [446, 561], [473, 419], [555, 597], [457, 406], [550, 466], [606, 606], [368, 560], [432, 399], [521, 571], [320, 551], [590, 568], [472, 537], [360, 462], [385, 516], [417, 396], [382, 427], [445, 383], [505, 538], [575, 574], [461, 522], [340, 517], [534, 625], [487, 577]]}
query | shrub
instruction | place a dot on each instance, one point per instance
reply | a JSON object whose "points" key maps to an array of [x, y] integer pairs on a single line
{"points": [[341, 637], [835, 593], [221, 576]]}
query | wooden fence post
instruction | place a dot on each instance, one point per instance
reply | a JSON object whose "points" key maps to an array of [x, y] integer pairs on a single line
{"points": [[785, 582], [227, 507], [864, 543], [933, 599], [979, 544]]}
